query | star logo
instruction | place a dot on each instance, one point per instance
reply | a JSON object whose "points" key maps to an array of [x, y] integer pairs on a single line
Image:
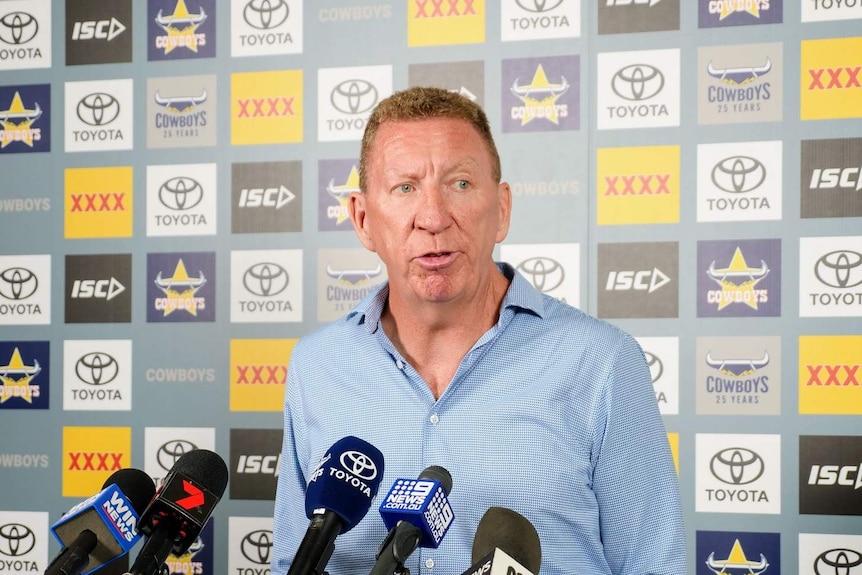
{"points": [[180, 290], [16, 122], [738, 280], [181, 27], [728, 8], [540, 97], [16, 378], [341, 193], [736, 560]]}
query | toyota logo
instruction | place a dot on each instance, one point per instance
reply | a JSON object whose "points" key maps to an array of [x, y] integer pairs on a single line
{"points": [[16, 540], [736, 466], [18, 28], [265, 279], [180, 193], [98, 109], [18, 283], [169, 452], [738, 174], [544, 273], [354, 96], [656, 367], [538, 5], [265, 14], [637, 82], [837, 561], [257, 546], [97, 368], [839, 269], [359, 465]]}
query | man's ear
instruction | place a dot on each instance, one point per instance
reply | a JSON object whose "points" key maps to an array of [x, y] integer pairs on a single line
{"points": [[356, 208], [504, 205]]}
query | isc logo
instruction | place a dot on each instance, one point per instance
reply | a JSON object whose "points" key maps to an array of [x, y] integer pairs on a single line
{"points": [[848, 475], [836, 177], [267, 464], [101, 30], [107, 289], [265, 197], [644, 280]]}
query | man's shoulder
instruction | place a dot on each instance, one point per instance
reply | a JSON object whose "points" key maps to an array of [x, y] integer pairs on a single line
{"points": [[564, 316]]}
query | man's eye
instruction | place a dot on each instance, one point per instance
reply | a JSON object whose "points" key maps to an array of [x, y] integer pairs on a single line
{"points": [[405, 188], [462, 184]]}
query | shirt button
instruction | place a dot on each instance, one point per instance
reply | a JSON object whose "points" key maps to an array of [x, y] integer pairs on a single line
{"points": [[433, 419], [399, 364], [429, 563]]}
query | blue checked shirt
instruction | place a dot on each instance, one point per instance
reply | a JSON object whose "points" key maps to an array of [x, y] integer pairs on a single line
{"points": [[551, 413]]}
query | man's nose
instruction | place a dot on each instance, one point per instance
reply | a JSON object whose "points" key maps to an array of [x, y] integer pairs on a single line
{"points": [[433, 212]]}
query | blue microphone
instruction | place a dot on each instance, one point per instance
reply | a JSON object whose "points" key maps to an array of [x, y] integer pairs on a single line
{"points": [[337, 497], [103, 527], [417, 514]]}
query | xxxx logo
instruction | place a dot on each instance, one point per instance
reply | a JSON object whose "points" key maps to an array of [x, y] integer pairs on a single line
{"points": [[443, 8], [835, 78], [109, 202], [95, 461], [838, 374], [262, 374], [637, 185], [265, 107]]}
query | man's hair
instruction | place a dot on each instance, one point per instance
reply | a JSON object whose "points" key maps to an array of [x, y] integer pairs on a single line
{"points": [[420, 103]]}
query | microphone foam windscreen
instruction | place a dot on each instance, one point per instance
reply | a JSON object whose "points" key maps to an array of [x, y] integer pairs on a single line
{"points": [[513, 533], [137, 486], [345, 481], [205, 468], [437, 473]]}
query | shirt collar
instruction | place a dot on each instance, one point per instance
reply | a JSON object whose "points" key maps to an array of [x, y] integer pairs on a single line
{"points": [[521, 296]]}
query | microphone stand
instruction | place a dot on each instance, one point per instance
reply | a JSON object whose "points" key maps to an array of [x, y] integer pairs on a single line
{"points": [[400, 542]]}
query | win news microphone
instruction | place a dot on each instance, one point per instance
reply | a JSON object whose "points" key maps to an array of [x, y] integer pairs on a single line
{"points": [[103, 527], [417, 514], [182, 505], [337, 497], [506, 543]]}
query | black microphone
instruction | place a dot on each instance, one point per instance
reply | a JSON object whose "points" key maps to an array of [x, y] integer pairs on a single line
{"points": [[103, 527], [337, 497], [506, 543], [182, 505], [417, 514]]}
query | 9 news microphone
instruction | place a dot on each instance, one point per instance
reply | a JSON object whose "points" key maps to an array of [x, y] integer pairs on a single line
{"points": [[337, 497], [417, 514], [103, 527], [506, 543], [182, 505]]}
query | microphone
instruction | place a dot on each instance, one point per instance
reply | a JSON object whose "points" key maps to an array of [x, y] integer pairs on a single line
{"points": [[506, 543], [182, 505], [417, 514], [103, 527], [337, 497]]}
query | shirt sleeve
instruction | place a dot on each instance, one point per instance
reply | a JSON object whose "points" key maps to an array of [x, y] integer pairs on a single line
{"points": [[288, 527], [634, 479]]}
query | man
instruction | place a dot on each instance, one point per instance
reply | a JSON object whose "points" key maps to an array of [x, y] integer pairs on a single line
{"points": [[458, 361]]}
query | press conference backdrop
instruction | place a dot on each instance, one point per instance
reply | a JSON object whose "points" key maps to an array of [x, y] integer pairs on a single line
{"points": [[172, 207]]}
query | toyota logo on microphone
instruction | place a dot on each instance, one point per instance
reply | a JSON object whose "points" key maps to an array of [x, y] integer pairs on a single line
{"points": [[18, 28], [354, 96], [265, 14], [835, 561], [168, 454], [97, 368], [265, 279], [737, 466], [544, 273], [257, 546], [738, 174], [98, 109], [180, 193], [359, 465], [16, 540], [637, 82], [840, 269], [18, 283], [538, 6]]}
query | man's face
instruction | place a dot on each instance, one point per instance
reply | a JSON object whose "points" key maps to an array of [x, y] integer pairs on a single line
{"points": [[432, 209]]}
